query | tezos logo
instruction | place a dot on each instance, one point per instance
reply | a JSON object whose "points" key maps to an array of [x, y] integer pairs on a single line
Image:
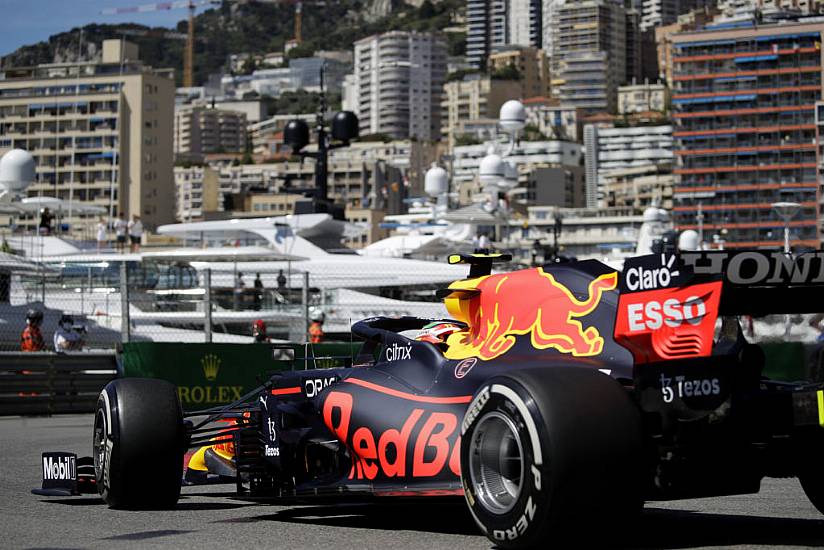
{"points": [[641, 277], [688, 388], [398, 353], [211, 365]]}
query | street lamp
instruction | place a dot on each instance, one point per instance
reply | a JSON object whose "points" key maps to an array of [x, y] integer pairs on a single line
{"points": [[786, 211], [296, 135]]}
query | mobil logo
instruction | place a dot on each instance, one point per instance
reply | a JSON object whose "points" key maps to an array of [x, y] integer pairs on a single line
{"points": [[498, 308], [668, 323]]}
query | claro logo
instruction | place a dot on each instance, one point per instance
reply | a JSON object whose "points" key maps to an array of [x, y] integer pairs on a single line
{"points": [[388, 453], [644, 275]]}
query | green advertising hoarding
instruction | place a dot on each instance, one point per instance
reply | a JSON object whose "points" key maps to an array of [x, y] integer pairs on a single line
{"points": [[214, 374]]}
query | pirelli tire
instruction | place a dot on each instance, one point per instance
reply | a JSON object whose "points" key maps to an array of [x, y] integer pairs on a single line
{"points": [[811, 474], [547, 454], [138, 444]]}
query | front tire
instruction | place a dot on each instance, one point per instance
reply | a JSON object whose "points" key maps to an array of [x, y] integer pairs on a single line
{"points": [[138, 444], [542, 450]]}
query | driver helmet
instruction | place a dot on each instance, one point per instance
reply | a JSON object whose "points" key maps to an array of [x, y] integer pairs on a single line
{"points": [[437, 333], [259, 326], [34, 316], [66, 321]]}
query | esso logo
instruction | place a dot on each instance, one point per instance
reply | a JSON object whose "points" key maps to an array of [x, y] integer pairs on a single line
{"points": [[653, 315]]}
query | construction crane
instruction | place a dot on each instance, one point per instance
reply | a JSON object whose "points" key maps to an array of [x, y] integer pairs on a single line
{"points": [[191, 5]]}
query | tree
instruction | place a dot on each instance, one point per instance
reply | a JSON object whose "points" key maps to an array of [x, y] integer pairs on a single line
{"points": [[510, 72]]}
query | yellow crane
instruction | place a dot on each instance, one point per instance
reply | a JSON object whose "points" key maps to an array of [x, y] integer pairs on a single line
{"points": [[191, 5]]}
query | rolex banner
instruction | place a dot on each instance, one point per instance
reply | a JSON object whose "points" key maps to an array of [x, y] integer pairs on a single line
{"points": [[213, 374]]}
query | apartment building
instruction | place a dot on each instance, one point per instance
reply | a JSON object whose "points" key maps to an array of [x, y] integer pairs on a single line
{"points": [[363, 177], [100, 133], [553, 119], [638, 98], [487, 27], [655, 13], [200, 130], [532, 65], [745, 131], [625, 165], [528, 156], [399, 79], [589, 53], [524, 23], [474, 98]]}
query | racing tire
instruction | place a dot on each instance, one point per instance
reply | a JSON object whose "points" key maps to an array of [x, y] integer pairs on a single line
{"points": [[546, 452], [811, 475], [138, 444]]}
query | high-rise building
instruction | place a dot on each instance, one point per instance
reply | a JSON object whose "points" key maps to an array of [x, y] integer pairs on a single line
{"points": [[655, 13], [492, 24], [589, 53], [629, 166], [487, 27], [745, 133], [548, 8], [399, 80], [100, 133], [200, 130], [524, 22]]}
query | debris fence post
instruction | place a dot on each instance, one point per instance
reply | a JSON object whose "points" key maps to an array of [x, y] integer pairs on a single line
{"points": [[125, 323], [305, 303], [207, 304]]}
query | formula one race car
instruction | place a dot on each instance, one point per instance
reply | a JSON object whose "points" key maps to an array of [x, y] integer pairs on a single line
{"points": [[555, 394]]}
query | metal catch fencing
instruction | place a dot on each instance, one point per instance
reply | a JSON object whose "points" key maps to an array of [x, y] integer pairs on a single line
{"points": [[52, 383], [110, 302]]}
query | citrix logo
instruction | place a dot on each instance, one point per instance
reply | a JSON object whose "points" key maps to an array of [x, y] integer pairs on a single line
{"points": [[398, 353]]}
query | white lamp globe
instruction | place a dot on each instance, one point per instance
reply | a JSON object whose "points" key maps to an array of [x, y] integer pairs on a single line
{"points": [[16, 170], [688, 240], [436, 181], [492, 170], [512, 116]]}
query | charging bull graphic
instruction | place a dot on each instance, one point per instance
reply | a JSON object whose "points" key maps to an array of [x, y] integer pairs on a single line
{"points": [[498, 308]]}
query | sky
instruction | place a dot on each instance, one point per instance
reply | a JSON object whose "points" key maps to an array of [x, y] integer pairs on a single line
{"points": [[30, 21]]}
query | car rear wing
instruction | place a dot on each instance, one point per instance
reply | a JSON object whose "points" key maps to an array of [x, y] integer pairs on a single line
{"points": [[761, 282], [669, 304]]}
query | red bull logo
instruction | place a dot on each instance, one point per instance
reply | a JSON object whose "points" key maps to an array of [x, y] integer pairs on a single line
{"points": [[501, 307]]}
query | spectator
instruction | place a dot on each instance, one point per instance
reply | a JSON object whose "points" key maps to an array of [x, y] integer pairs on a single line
{"points": [[66, 338], [281, 281], [817, 322], [121, 226], [32, 338], [258, 291], [46, 218], [238, 291], [316, 327], [259, 332], [102, 237], [135, 233]]}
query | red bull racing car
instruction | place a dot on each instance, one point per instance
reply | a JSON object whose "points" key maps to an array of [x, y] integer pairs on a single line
{"points": [[553, 395]]}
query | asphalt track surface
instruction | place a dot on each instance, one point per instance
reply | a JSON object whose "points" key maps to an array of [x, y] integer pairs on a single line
{"points": [[207, 517]]}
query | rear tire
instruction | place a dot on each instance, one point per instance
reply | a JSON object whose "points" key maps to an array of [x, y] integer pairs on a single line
{"points": [[810, 473], [138, 444], [544, 451]]}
